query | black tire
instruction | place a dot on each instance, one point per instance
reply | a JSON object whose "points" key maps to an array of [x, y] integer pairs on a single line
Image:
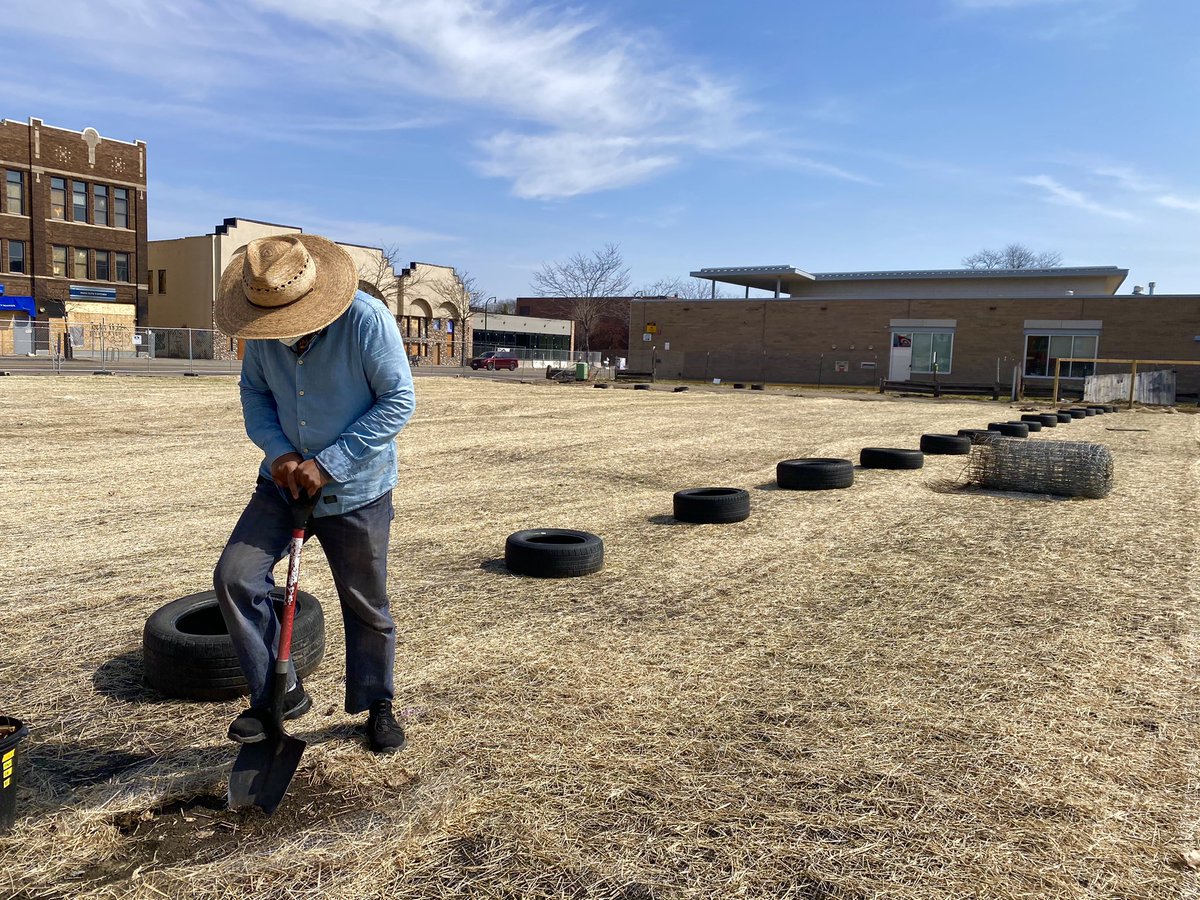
{"points": [[712, 506], [600, 384], [1064, 417], [1110, 409], [1098, 410], [680, 389], [641, 387], [1089, 411], [553, 553], [1032, 427], [945, 444], [1009, 429], [1048, 420], [890, 458], [758, 387], [187, 652], [1077, 413], [814, 474], [738, 386], [977, 435]]}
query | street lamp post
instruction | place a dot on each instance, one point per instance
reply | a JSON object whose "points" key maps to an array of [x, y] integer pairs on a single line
{"points": [[485, 314]]}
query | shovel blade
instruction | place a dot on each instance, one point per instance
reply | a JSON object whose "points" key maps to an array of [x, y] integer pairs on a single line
{"points": [[263, 771]]}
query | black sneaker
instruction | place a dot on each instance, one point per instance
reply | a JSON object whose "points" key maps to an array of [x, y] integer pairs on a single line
{"points": [[251, 726], [384, 733]]}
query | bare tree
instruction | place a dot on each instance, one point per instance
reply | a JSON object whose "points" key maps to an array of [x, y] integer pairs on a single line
{"points": [[588, 284], [1014, 256], [377, 276], [684, 289]]}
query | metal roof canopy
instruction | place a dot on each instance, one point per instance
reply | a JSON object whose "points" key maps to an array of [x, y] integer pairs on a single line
{"points": [[766, 278], [781, 278]]}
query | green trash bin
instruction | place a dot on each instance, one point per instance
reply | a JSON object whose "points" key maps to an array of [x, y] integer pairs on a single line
{"points": [[581, 371], [11, 732]]}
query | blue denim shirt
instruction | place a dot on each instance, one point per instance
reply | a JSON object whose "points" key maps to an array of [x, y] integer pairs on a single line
{"points": [[343, 401]]}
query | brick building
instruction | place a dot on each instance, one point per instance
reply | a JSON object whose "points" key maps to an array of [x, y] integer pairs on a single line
{"points": [[427, 300], [609, 332], [72, 237], [968, 326]]}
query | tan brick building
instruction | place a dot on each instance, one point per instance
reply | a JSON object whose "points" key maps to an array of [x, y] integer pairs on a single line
{"points": [[855, 328], [427, 300], [72, 236]]}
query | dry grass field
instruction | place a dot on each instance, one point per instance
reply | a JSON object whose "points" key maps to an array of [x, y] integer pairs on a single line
{"points": [[891, 691]]}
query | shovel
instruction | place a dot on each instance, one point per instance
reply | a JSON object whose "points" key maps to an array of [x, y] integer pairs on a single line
{"points": [[263, 771]]}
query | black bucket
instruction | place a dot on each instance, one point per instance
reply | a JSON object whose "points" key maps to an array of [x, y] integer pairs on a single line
{"points": [[11, 733]]}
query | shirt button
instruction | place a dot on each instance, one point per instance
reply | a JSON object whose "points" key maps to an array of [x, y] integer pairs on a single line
{"points": [[302, 422], [305, 449], [302, 393], [299, 362]]}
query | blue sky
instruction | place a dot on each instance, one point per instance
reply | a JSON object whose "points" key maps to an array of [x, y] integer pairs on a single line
{"points": [[495, 135]]}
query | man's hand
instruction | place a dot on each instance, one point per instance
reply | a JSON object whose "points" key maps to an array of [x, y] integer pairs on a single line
{"points": [[282, 469], [309, 478], [295, 474]]}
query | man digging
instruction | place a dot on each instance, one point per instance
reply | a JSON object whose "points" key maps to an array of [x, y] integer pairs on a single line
{"points": [[325, 389]]}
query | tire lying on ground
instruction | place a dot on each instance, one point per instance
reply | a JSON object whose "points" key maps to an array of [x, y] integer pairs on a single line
{"points": [[1009, 429], [1089, 411], [890, 458], [187, 652], [712, 506], [814, 474], [600, 384], [1031, 426], [641, 387], [553, 553], [1097, 410], [946, 444], [1076, 413], [1048, 420], [1064, 417]]}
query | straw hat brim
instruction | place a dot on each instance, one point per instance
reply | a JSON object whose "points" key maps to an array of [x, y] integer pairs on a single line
{"points": [[331, 295]]}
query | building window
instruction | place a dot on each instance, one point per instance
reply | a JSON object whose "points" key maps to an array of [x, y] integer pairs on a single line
{"points": [[16, 256], [58, 261], [1043, 350], [15, 192], [931, 350], [58, 198], [79, 201], [80, 270], [102, 265], [121, 265], [162, 281], [99, 204], [120, 208]]}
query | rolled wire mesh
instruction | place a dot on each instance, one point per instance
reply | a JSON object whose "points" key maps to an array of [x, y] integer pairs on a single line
{"points": [[1063, 468]]}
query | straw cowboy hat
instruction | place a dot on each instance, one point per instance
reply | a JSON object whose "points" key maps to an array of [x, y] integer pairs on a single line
{"points": [[284, 287]]}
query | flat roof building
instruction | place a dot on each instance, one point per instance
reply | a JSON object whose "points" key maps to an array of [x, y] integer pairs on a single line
{"points": [[960, 325], [427, 300]]}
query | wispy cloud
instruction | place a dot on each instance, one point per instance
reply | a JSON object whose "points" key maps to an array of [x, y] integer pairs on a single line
{"points": [[1056, 192], [1128, 178], [1172, 201], [1055, 19], [558, 100], [585, 106]]}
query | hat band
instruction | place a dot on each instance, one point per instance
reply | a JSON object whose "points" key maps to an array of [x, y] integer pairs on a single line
{"points": [[282, 305]]}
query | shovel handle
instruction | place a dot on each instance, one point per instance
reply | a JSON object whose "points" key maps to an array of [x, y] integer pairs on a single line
{"points": [[301, 510]]}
